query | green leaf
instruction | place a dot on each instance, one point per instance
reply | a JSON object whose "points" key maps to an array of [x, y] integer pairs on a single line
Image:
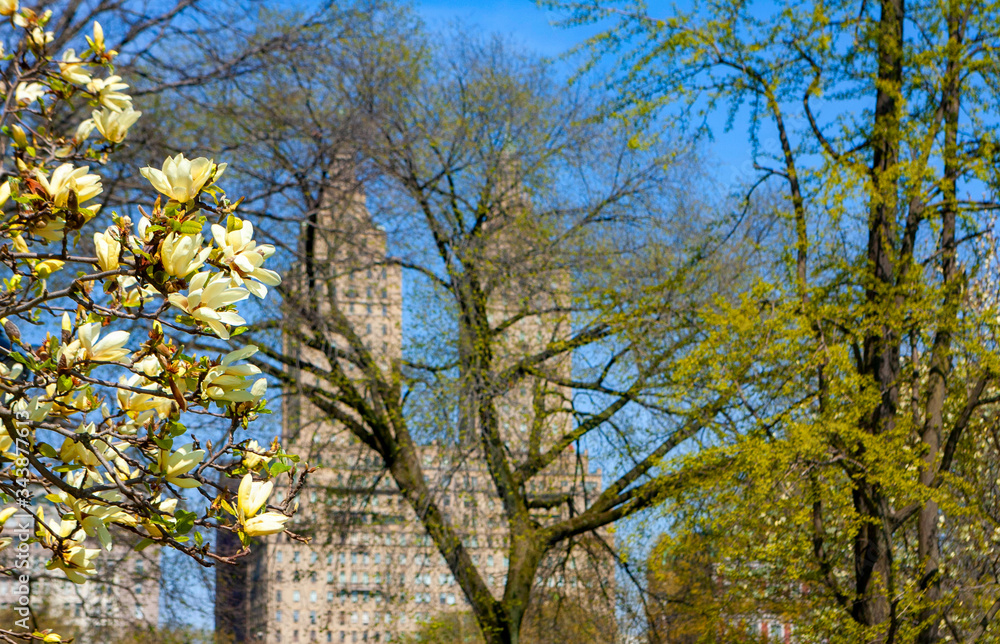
{"points": [[189, 228], [278, 468]]}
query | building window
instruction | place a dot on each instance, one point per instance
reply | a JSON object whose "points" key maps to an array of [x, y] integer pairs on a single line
{"points": [[312, 596], [277, 615], [343, 558], [295, 556], [295, 617], [329, 595], [312, 617], [343, 577], [329, 576], [329, 559], [295, 596], [277, 596], [278, 556], [313, 556]]}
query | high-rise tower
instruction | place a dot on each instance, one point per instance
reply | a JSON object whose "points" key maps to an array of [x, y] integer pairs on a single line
{"points": [[371, 572]]}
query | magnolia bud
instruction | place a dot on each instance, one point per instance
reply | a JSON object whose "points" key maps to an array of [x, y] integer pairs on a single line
{"points": [[20, 138], [12, 331]]}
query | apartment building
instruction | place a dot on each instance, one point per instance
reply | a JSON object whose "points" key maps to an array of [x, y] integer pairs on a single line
{"points": [[370, 572], [123, 596]]}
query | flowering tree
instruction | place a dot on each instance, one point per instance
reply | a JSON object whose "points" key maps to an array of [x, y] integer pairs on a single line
{"points": [[96, 387]]}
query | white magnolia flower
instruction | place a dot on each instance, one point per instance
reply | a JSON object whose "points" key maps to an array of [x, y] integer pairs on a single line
{"points": [[27, 93], [134, 295], [140, 405], [229, 382], [142, 230], [36, 410], [65, 180], [51, 229], [83, 130], [38, 37], [250, 498], [182, 254], [76, 451], [207, 296], [150, 366], [8, 7], [174, 466], [108, 92], [96, 43], [65, 539], [254, 455], [182, 179], [72, 69], [114, 125], [109, 249], [74, 401], [244, 257], [108, 349]]}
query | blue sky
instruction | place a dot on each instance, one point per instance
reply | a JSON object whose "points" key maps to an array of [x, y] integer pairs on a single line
{"points": [[520, 19], [526, 24]]}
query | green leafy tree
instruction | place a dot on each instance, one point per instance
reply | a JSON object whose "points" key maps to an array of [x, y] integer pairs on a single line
{"points": [[864, 457], [533, 239]]}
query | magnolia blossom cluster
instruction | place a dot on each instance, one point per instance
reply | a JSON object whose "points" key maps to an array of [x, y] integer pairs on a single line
{"points": [[95, 392]]}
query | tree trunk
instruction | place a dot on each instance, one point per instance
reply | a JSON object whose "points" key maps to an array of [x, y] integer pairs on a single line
{"points": [[940, 366], [872, 548]]}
